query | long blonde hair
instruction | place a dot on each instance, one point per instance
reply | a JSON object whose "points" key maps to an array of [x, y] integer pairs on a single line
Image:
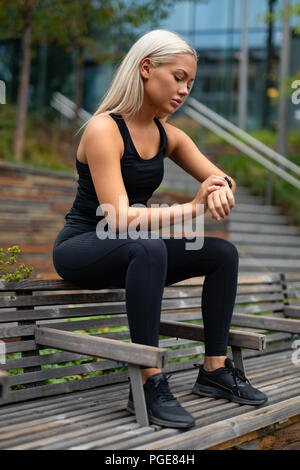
{"points": [[126, 93]]}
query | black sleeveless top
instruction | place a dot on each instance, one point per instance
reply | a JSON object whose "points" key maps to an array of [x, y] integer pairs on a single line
{"points": [[141, 178]]}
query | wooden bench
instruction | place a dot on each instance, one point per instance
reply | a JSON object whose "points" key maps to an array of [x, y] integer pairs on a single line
{"points": [[52, 330]]}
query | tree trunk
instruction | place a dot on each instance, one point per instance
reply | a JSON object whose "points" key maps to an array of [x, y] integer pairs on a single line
{"points": [[23, 87]]}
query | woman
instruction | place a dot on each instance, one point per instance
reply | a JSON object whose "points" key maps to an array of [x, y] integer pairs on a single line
{"points": [[120, 164]]}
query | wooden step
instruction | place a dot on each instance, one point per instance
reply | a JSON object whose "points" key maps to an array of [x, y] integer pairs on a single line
{"points": [[281, 264], [269, 251], [256, 209], [261, 228], [255, 218], [264, 239]]}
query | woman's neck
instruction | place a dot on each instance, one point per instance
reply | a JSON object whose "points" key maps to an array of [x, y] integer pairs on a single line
{"points": [[144, 117]]}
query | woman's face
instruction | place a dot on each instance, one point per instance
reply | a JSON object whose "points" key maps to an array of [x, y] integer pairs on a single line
{"points": [[167, 86]]}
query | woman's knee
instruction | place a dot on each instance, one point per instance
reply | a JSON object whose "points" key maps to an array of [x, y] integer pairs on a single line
{"points": [[150, 249], [227, 251]]}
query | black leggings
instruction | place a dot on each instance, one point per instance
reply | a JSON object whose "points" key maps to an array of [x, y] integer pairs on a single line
{"points": [[144, 267]]}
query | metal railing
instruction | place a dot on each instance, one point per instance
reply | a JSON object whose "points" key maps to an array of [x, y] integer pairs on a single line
{"points": [[229, 132], [67, 107], [221, 127]]}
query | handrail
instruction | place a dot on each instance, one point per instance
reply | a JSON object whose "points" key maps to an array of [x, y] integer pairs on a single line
{"points": [[67, 107], [197, 116], [241, 133]]}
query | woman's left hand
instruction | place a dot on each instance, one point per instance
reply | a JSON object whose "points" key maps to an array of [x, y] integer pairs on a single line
{"points": [[220, 202]]}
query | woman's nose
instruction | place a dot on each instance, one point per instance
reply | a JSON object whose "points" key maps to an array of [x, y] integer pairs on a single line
{"points": [[183, 90]]}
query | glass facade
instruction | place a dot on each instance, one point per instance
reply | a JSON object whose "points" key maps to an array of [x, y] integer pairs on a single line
{"points": [[214, 29]]}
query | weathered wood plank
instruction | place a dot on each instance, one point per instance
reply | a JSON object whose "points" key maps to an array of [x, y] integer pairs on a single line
{"points": [[102, 347], [266, 322], [196, 332], [113, 309], [65, 387], [37, 285], [214, 434], [292, 311]]}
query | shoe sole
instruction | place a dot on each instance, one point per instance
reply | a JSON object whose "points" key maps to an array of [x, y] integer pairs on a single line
{"points": [[205, 390], [162, 422]]}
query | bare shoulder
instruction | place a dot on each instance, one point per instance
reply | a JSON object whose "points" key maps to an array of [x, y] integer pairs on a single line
{"points": [[102, 129], [174, 135]]}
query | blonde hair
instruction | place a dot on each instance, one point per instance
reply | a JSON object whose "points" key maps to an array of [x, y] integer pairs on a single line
{"points": [[126, 93]]}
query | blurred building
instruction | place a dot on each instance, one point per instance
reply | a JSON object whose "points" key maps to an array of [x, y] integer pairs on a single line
{"points": [[213, 28]]}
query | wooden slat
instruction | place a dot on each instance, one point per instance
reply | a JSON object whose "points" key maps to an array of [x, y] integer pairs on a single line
{"points": [[65, 387], [101, 347], [56, 372], [196, 332], [257, 288], [292, 276], [242, 279], [266, 322], [255, 298], [260, 308], [292, 311], [43, 359], [60, 312], [110, 309], [119, 296], [37, 285], [230, 428], [39, 300]]}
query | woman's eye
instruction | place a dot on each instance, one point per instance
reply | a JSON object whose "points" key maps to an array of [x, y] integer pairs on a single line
{"points": [[179, 80]]}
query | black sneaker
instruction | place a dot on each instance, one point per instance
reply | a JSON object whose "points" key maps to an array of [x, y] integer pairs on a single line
{"points": [[227, 382], [163, 408]]}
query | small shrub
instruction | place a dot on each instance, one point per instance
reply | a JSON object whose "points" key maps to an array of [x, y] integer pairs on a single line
{"points": [[22, 270]]}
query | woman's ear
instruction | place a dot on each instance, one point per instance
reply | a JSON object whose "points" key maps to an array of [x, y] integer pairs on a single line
{"points": [[145, 67]]}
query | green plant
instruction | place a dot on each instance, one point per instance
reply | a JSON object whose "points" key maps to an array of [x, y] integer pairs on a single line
{"points": [[16, 275]]}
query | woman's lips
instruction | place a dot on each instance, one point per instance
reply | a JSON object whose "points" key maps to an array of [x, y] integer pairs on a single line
{"points": [[177, 103]]}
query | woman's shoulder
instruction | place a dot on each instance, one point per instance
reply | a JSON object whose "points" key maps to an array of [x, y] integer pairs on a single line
{"points": [[101, 123], [101, 127]]}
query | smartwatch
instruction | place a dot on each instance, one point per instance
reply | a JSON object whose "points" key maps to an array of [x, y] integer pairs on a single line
{"points": [[228, 181]]}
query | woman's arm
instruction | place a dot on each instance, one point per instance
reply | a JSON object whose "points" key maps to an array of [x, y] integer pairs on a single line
{"points": [[102, 145], [186, 154]]}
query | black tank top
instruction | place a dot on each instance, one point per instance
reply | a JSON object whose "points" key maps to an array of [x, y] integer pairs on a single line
{"points": [[141, 178]]}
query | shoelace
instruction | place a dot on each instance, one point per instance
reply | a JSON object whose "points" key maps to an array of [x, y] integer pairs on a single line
{"points": [[238, 374], [162, 387]]}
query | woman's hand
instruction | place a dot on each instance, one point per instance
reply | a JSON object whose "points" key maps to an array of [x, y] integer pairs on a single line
{"points": [[215, 195], [220, 202], [212, 183]]}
